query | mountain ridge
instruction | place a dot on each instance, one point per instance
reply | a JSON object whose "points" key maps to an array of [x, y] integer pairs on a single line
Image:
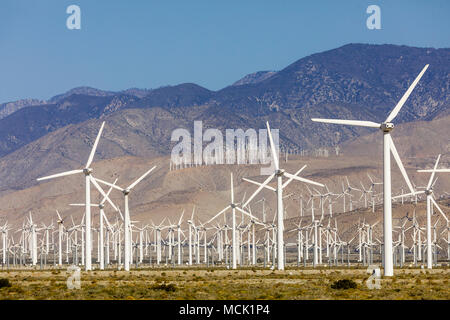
{"points": [[339, 83]]}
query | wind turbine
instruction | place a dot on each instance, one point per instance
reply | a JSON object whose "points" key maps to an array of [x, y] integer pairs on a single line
{"points": [[33, 241], [87, 171], [191, 225], [278, 173], [430, 202], [179, 231], [388, 147], [233, 206], [101, 206], [60, 223], [127, 229]]}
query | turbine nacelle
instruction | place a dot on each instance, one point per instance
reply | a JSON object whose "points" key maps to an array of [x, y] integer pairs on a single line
{"points": [[387, 126], [87, 171]]}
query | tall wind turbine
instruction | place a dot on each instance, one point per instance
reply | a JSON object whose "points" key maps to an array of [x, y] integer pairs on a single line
{"points": [[278, 173], [60, 223], [87, 171], [127, 225], [101, 206], [430, 202], [233, 206], [388, 147]]}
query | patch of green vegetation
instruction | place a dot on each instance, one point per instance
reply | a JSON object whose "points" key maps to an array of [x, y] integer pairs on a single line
{"points": [[4, 283], [344, 284], [166, 287]]}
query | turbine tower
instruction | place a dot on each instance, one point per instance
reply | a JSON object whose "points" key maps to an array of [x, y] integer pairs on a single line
{"points": [[388, 147]]}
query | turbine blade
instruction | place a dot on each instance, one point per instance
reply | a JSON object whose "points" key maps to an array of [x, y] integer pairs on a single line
{"points": [[120, 213], [437, 170], [140, 179], [303, 179], [62, 174], [222, 211], [59, 217], [272, 148], [94, 182], [290, 179], [109, 184], [439, 209], [94, 147], [107, 194], [193, 210], [400, 164], [181, 218], [258, 190], [433, 173], [359, 123], [106, 219], [246, 213], [402, 101], [258, 184], [81, 205], [409, 194]]}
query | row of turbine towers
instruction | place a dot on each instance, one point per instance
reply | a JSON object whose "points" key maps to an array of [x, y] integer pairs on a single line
{"points": [[310, 242]]}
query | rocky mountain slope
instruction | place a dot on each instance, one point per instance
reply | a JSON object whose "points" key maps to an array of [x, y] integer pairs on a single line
{"points": [[10, 107], [254, 78], [355, 81]]}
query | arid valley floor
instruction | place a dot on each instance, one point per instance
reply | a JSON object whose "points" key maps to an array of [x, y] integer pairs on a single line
{"points": [[204, 284]]}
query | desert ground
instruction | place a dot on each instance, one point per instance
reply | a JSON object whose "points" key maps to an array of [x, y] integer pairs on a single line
{"points": [[248, 283]]}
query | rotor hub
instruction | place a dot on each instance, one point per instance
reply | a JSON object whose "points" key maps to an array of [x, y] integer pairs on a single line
{"points": [[126, 191], [101, 205], [87, 171], [279, 173], [387, 126]]}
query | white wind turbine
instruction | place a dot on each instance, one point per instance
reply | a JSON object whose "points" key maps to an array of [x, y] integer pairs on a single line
{"points": [[60, 223], [157, 239], [388, 147], [233, 206], [430, 202], [4, 231], [179, 231], [372, 191], [33, 241], [350, 188], [87, 171], [101, 206], [127, 226], [278, 173], [191, 225]]}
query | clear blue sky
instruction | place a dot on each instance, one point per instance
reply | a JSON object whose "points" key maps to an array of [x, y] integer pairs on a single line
{"points": [[148, 44]]}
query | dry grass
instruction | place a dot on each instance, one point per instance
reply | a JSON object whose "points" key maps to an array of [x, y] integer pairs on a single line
{"points": [[225, 284]]}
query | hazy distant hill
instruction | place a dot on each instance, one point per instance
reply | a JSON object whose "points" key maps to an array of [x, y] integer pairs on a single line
{"points": [[10, 107], [254, 78], [85, 91]]}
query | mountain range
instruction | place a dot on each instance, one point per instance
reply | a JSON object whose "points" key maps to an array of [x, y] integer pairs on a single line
{"points": [[356, 81]]}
